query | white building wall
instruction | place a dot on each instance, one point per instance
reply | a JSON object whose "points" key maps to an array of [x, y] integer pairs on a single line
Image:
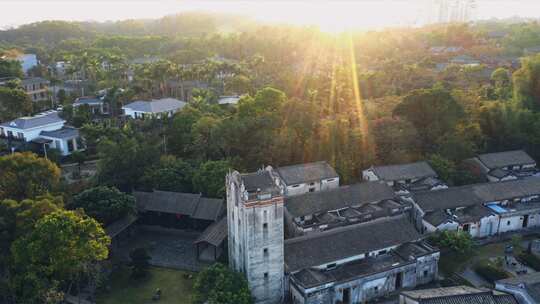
{"points": [[30, 134], [488, 226], [512, 223], [298, 189], [369, 175]]}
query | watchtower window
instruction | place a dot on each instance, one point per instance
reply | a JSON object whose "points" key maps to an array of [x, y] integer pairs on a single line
{"points": [[265, 252], [266, 275]]}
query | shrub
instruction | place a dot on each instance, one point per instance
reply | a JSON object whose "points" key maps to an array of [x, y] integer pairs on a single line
{"points": [[139, 263], [217, 284], [458, 241], [491, 272], [530, 260]]}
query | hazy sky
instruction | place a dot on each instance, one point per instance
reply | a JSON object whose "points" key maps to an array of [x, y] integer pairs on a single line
{"points": [[327, 14]]}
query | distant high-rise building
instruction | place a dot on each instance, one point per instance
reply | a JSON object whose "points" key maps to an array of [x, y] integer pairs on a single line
{"points": [[447, 11]]}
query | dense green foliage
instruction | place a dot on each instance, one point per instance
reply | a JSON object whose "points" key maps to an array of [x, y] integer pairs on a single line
{"points": [[529, 259], [491, 272], [25, 175], [458, 241], [58, 252], [139, 262], [105, 204], [13, 103], [217, 284]]}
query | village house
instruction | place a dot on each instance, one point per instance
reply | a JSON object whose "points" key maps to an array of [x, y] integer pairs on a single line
{"points": [[353, 259], [46, 129], [525, 288], [96, 105], [503, 166], [319, 211], [405, 177], [358, 263], [482, 209], [157, 108], [310, 177], [455, 295], [36, 88]]}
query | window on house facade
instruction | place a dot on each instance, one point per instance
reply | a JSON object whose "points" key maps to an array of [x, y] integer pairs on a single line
{"points": [[9, 133], [508, 223], [425, 273], [265, 252], [266, 275], [20, 135], [70, 145]]}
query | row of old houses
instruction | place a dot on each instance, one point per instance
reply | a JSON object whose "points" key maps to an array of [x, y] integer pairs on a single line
{"points": [[299, 235]]}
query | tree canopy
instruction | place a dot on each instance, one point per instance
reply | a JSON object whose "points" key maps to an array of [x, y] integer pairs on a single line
{"points": [[25, 175], [58, 252], [217, 284], [105, 204]]}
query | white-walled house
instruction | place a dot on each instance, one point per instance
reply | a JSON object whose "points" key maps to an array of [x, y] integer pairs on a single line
{"points": [[67, 140], [96, 105], [405, 177], [158, 108], [310, 177], [482, 209], [47, 129], [29, 128]]}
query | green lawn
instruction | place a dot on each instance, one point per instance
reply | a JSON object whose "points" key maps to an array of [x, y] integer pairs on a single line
{"points": [[174, 287]]}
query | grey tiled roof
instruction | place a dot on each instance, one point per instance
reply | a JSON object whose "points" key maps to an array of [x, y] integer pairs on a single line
{"points": [[208, 209], [120, 225], [344, 242], [189, 204], [64, 133], [405, 171], [508, 189], [459, 295], [215, 233], [504, 159], [260, 181], [447, 198], [156, 105], [477, 194], [334, 199], [303, 173], [35, 121], [436, 217]]}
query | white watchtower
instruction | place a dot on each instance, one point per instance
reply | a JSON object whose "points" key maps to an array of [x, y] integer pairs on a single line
{"points": [[256, 234]]}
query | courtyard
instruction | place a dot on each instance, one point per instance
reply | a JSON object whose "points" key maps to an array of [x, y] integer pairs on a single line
{"points": [[176, 287], [168, 248]]}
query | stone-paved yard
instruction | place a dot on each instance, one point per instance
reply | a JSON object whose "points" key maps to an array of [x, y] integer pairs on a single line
{"points": [[167, 247]]}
